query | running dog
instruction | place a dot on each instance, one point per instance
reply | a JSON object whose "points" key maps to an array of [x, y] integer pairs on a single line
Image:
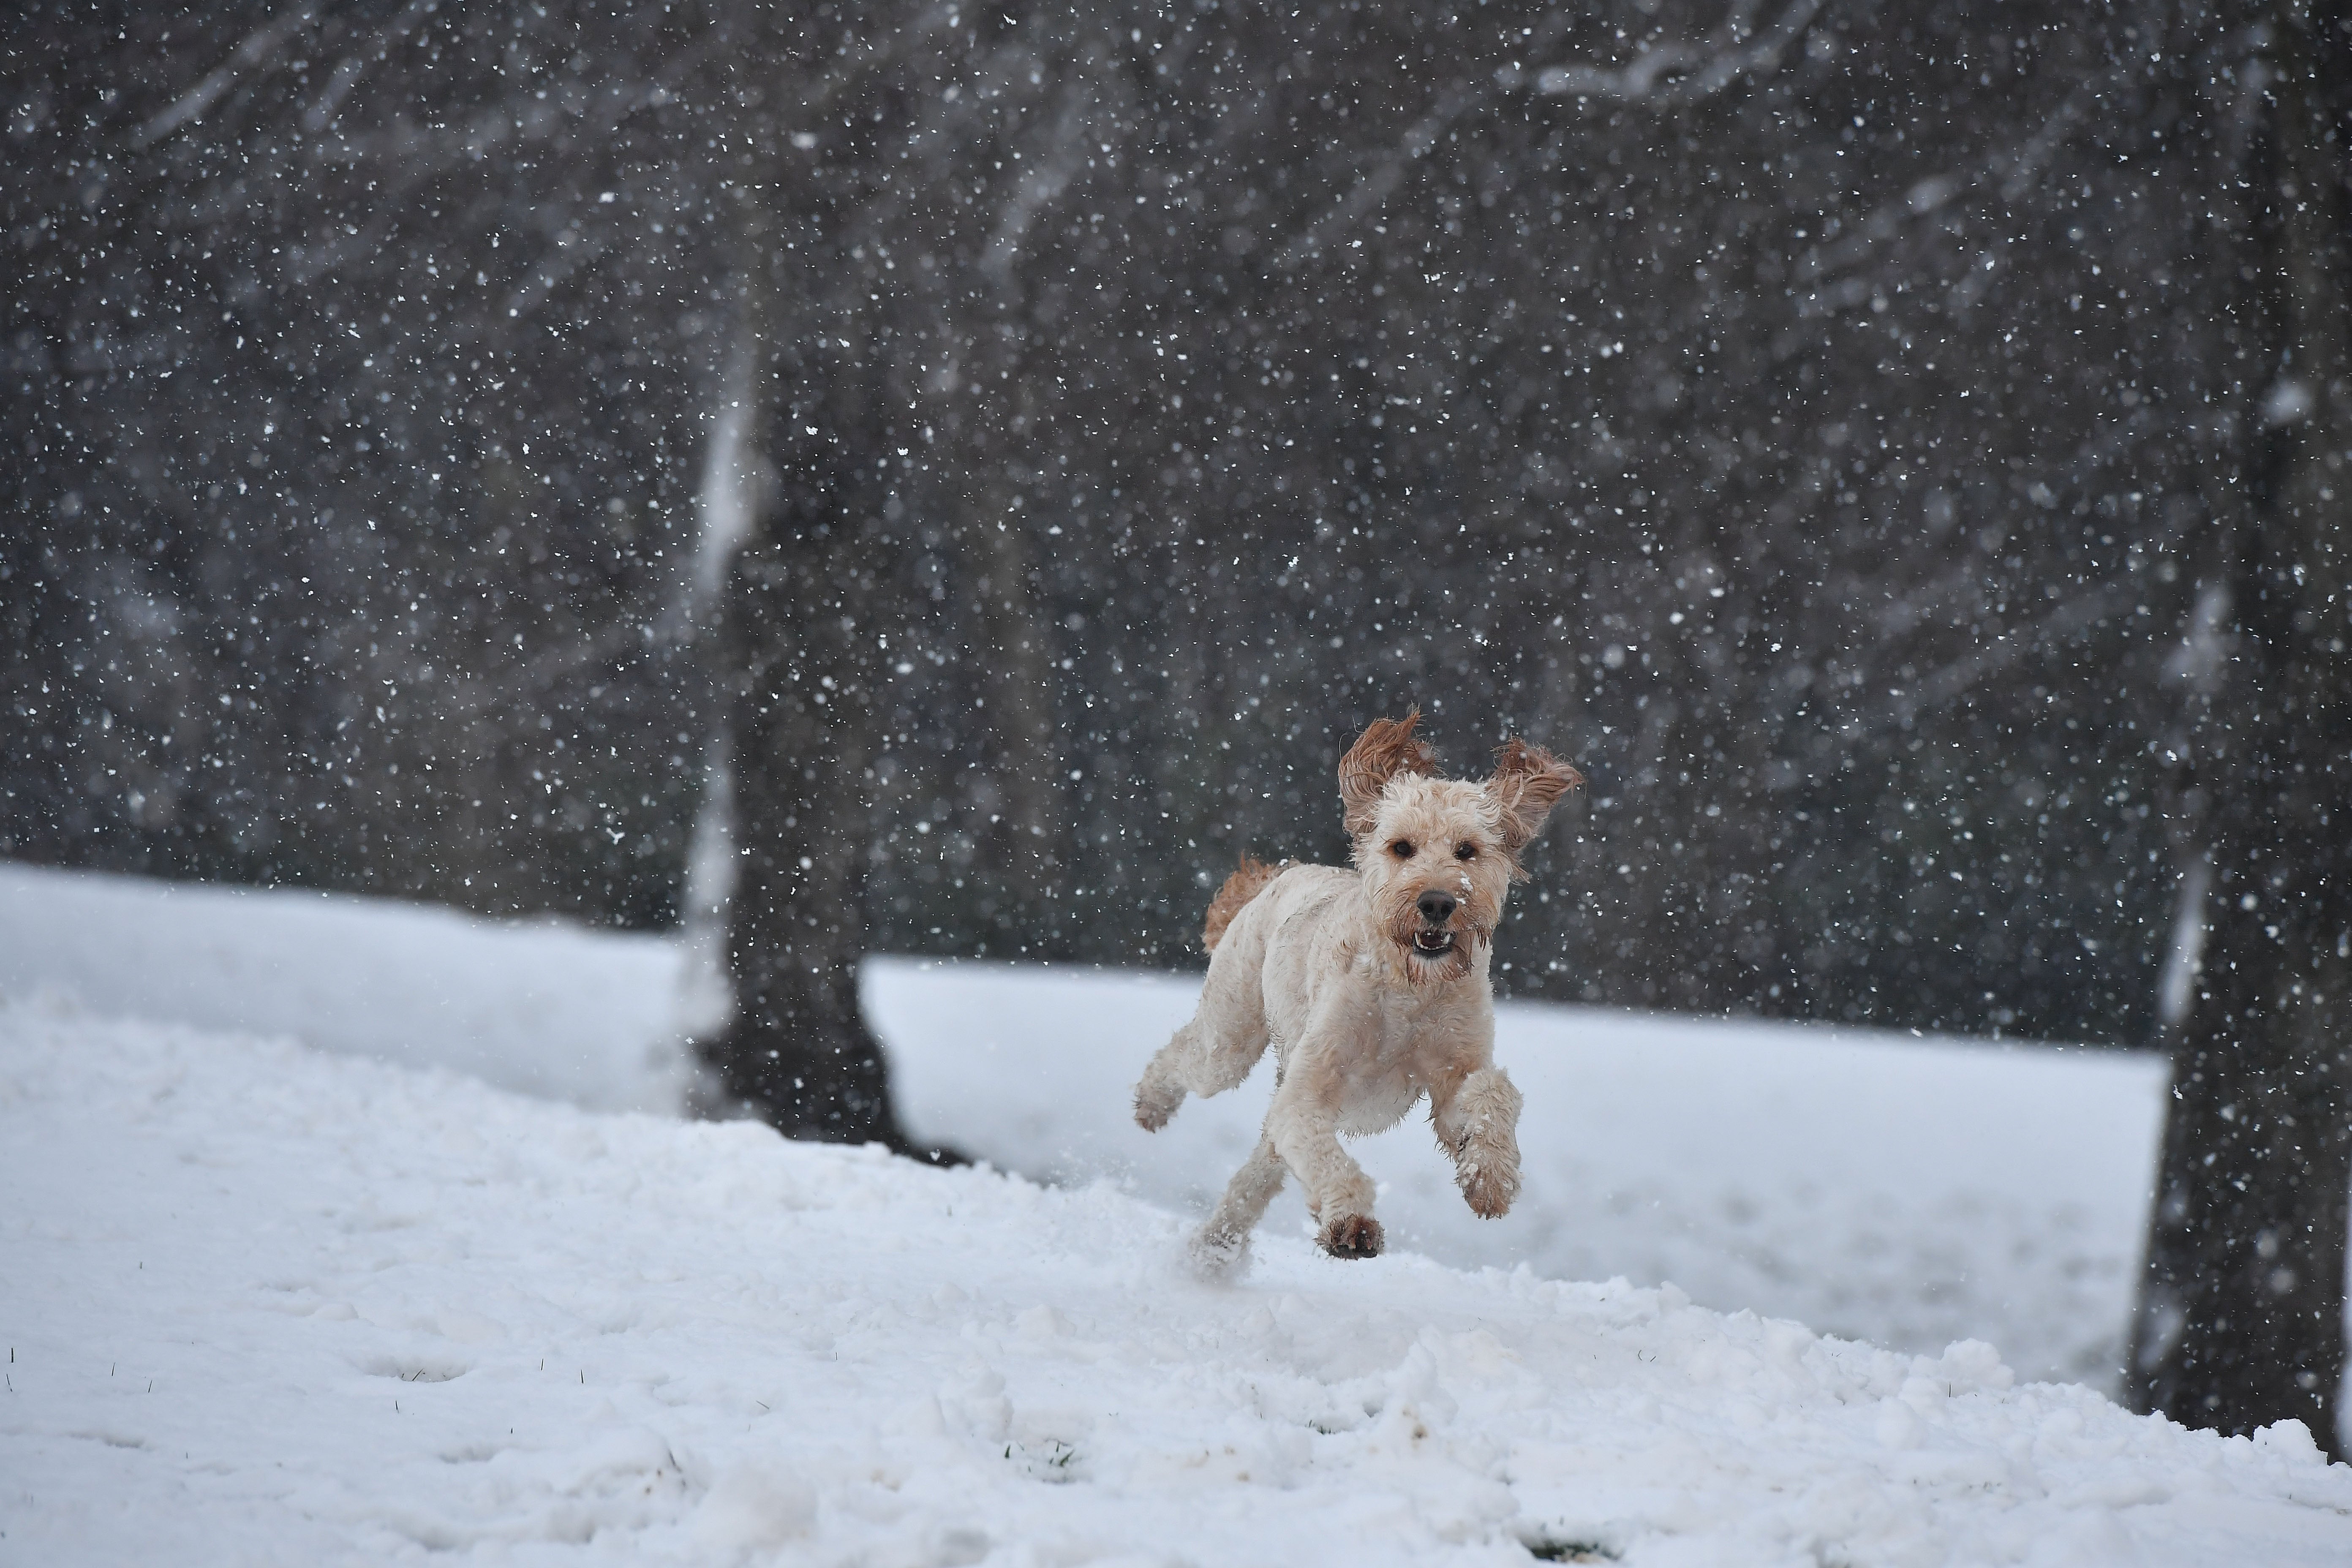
{"points": [[1371, 986]]}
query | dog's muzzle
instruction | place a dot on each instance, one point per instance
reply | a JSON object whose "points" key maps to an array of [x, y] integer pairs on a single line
{"points": [[1436, 906]]}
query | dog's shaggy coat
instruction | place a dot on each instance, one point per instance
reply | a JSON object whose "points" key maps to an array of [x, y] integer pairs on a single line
{"points": [[1372, 985]]}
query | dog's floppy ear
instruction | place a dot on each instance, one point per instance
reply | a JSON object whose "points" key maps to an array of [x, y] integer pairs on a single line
{"points": [[1529, 780], [1383, 751]]}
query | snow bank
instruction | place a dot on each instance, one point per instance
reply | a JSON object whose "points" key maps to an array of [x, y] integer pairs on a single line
{"points": [[266, 1304], [1906, 1192], [546, 1008]]}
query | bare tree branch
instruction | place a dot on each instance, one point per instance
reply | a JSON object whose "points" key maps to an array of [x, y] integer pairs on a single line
{"points": [[321, 115], [2014, 167], [1941, 688], [191, 105], [1376, 186], [1679, 73], [1039, 188]]}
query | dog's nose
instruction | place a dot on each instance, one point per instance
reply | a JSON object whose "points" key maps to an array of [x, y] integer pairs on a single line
{"points": [[1436, 907]]}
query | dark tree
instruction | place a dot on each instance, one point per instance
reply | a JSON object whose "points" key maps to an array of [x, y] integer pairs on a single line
{"points": [[810, 605], [2241, 1320], [878, 535]]}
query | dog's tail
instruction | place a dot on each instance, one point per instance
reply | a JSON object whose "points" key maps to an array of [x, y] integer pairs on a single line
{"points": [[1240, 888]]}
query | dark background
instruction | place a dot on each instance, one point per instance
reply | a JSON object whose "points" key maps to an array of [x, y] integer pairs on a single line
{"points": [[1814, 460]]}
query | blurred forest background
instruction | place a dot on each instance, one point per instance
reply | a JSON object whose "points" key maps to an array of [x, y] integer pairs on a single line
{"points": [[1892, 449], [1816, 456]]}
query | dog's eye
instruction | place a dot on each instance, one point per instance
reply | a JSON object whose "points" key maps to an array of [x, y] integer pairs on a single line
{"points": [[1465, 850], [1401, 849]]}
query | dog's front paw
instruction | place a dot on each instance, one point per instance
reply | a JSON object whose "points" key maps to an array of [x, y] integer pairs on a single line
{"points": [[1157, 1093], [1153, 1110], [1350, 1236], [1489, 1183]]}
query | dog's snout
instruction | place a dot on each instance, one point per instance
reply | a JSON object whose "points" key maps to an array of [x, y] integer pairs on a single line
{"points": [[1436, 907]]}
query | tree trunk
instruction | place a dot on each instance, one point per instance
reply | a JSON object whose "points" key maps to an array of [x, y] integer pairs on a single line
{"points": [[2240, 1321], [2242, 1307], [804, 604], [798, 1050]]}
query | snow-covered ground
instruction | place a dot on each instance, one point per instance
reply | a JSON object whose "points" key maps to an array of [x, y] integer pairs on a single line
{"points": [[269, 1304], [544, 1008], [1906, 1192]]}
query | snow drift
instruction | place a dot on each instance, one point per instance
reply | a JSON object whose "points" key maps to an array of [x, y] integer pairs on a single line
{"points": [[269, 1305]]}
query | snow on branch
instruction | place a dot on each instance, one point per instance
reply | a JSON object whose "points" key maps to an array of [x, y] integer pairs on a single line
{"points": [[1940, 688], [1039, 188], [1678, 73], [1452, 103], [1386, 175], [322, 113], [191, 105]]}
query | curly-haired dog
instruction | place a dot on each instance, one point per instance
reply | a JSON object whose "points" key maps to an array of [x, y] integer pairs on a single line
{"points": [[1371, 986]]}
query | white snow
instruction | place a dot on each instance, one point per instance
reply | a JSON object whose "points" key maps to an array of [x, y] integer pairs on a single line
{"points": [[544, 1008], [270, 1304], [1905, 1191], [1902, 1191]]}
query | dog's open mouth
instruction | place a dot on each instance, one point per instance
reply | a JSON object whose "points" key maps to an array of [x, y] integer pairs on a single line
{"points": [[1432, 943]]}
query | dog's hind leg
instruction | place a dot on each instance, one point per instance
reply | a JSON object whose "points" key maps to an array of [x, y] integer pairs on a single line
{"points": [[1216, 1050], [1221, 1244]]}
